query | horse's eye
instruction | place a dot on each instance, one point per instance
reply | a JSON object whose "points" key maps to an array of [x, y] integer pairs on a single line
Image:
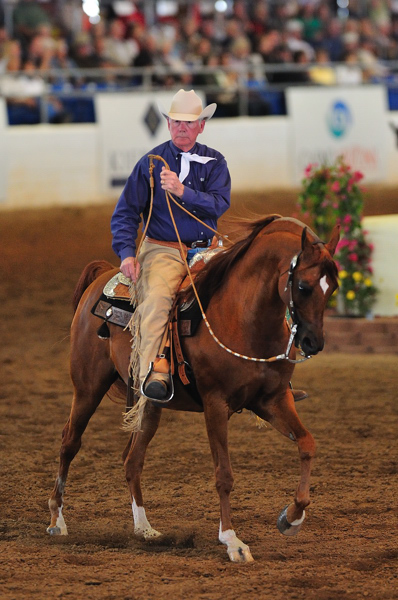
{"points": [[304, 288]]}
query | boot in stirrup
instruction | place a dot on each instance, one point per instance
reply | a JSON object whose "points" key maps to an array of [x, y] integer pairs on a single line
{"points": [[158, 383], [298, 394]]}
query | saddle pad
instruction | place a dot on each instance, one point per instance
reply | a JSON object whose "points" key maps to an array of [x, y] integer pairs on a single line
{"points": [[117, 312], [118, 287]]}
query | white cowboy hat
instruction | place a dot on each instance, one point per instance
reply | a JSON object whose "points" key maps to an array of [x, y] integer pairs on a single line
{"points": [[187, 106]]}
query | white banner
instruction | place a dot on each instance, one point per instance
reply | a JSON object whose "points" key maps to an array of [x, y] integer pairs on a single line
{"points": [[328, 122], [3, 152], [130, 126]]}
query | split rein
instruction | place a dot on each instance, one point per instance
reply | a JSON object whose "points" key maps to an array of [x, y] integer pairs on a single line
{"points": [[289, 283]]}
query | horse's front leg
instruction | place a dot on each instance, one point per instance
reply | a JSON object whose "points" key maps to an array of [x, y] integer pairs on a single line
{"points": [[134, 463], [216, 415], [283, 416]]}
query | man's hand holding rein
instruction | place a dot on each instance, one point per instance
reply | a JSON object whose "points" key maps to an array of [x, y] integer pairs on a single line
{"points": [[130, 267], [170, 182]]}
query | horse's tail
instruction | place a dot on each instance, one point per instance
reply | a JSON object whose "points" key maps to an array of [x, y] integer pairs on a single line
{"points": [[89, 274]]}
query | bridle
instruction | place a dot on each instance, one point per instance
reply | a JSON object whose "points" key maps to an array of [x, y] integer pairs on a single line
{"points": [[292, 309]]}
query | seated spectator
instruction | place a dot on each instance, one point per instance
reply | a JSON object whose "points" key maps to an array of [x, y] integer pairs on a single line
{"points": [[312, 25], [23, 91], [332, 41], [372, 68], [259, 21], [3, 46], [294, 39], [116, 48], [41, 50], [322, 73], [349, 73], [28, 15], [268, 46]]}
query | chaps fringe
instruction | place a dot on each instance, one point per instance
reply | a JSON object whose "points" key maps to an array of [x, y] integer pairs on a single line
{"points": [[132, 420], [258, 421]]}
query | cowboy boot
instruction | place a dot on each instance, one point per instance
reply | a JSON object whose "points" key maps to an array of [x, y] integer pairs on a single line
{"points": [[299, 395], [157, 384]]}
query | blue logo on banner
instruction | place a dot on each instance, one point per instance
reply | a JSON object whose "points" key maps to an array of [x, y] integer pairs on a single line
{"points": [[339, 119]]}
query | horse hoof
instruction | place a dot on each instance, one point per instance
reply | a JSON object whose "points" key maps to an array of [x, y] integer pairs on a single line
{"points": [[147, 534], [241, 554], [287, 528], [54, 530]]}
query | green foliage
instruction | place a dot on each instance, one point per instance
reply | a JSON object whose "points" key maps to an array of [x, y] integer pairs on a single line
{"points": [[332, 194]]}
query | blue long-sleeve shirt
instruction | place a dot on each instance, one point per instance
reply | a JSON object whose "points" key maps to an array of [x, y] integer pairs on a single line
{"points": [[207, 191]]}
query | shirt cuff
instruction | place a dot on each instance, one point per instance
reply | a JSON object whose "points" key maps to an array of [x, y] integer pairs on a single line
{"points": [[188, 196], [126, 252]]}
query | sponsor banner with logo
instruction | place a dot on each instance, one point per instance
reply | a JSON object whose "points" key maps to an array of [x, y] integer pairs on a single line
{"points": [[337, 121], [3, 153], [130, 126]]}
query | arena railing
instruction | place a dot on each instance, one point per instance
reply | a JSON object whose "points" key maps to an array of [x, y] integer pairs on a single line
{"points": [[251, 89]]}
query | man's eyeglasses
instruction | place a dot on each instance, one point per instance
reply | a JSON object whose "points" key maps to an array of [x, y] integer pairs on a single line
{"points": [[187, 123]]}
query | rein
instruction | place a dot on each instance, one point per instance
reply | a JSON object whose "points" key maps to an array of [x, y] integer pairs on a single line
{"points": [[289, 283]]}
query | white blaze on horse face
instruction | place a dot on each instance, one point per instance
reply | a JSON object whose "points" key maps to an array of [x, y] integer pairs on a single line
{"points": [[324, 284]]}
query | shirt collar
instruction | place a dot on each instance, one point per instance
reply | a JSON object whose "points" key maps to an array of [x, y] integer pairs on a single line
{"points": [[176, 151]]}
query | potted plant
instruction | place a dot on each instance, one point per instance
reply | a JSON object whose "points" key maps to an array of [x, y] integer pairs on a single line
{"points": [[332, 194]]}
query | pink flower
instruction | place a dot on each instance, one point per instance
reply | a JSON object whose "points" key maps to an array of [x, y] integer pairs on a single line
{"points": [[342, 243], [353, 257], [347, 219], [335, 187], [309, 168], [325, 203], [358, 176], [335, 204], [352, 244]]}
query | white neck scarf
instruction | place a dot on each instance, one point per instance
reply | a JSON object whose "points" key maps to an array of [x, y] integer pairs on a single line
{"points": [[186, 158]]}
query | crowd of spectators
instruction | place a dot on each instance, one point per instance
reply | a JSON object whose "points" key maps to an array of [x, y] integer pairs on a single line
{"points": [[273, 43]]}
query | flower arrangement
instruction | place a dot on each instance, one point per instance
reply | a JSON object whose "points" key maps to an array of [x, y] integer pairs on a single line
{"points": [[332, 194]]}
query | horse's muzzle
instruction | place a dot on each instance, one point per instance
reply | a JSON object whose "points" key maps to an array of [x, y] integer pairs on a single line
{"points": [[310, 341]]}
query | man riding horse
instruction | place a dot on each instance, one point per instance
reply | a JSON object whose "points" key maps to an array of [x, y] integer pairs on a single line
{"points": [[200, 182]]}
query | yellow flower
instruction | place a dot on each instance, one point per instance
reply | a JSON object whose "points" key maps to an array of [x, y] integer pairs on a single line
{"points": [[368, 282], [357, 276], [343, 274], [350, 295]]}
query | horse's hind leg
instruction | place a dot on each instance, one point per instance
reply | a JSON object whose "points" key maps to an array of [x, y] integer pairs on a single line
{"points": [[84, 404], [283, 416], [134, 463]]}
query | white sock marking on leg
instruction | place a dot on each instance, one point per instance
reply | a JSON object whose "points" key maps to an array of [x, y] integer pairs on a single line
{"points": [[142, 526]]}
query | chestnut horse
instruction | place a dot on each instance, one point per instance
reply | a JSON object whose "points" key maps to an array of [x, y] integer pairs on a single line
{"points": [[248, 287]]}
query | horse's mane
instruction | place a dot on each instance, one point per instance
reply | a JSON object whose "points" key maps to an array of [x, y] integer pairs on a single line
{"points": [[212, 275]]}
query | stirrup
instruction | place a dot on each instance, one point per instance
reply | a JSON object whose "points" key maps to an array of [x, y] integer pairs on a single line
{"points": [[153, 400]]}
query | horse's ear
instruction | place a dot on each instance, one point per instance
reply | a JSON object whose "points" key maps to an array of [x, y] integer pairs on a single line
{"points": [[334, 240], [304, 240]]}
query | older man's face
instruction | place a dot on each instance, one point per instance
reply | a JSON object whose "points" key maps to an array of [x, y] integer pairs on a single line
{"points": [[184, 133]]}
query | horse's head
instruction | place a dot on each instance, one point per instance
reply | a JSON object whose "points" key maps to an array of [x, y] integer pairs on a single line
{"points": [[312, 278]]}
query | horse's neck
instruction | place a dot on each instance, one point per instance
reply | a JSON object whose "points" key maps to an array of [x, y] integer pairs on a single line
{"points": [[251, 292]]}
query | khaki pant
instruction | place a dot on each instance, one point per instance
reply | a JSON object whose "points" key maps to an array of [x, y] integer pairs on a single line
{"points": [[162, 270]]}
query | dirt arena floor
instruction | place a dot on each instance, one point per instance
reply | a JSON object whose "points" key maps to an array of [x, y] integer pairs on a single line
{"points": [[347, 548]]}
